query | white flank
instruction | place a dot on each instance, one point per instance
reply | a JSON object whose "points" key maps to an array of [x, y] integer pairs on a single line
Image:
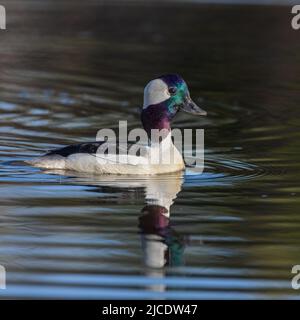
{"points": [[160, 158]]}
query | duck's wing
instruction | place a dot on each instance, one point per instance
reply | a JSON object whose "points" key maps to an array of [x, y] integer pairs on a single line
{"points": [[86, 147], [93, 147]]}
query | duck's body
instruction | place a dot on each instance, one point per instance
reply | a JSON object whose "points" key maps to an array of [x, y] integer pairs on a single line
{"points": [[84, 158], [163, 97]]}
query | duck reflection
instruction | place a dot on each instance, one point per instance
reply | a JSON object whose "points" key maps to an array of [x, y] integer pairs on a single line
{"points": [[162, 245]]}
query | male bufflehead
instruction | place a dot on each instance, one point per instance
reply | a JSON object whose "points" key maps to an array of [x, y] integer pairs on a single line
{"points": [[163, 98]]}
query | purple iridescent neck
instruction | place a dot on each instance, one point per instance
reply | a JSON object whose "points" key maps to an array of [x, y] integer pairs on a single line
{"points": [[156, 117]]}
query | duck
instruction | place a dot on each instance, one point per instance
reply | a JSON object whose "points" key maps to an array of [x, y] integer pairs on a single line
{"points": [[164, 97]]}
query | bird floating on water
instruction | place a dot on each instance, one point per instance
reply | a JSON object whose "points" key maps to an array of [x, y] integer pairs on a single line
{"points": [[164, 97]]}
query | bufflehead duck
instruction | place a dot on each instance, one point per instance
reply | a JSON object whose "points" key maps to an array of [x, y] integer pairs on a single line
{"points": [[164, 97]]}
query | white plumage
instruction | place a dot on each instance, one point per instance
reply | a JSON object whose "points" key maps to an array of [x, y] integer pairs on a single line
{"points": [[159, 159]]}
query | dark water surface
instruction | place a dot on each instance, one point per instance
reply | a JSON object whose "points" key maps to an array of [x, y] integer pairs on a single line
{"points": [[69, 69]]}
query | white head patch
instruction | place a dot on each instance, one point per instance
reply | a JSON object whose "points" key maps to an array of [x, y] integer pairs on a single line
{"points": [[156, 91]]}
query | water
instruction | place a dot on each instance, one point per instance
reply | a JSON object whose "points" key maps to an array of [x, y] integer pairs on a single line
{"points": [[233, 232]]}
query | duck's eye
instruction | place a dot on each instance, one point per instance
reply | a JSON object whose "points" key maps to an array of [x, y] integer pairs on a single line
{"points": [[172, 90]]}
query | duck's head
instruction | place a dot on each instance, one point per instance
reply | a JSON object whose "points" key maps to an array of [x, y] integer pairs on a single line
{"points": [[163, 98]]}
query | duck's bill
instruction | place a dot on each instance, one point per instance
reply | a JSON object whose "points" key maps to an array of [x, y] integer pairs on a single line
{"points": [[190, 107]]}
